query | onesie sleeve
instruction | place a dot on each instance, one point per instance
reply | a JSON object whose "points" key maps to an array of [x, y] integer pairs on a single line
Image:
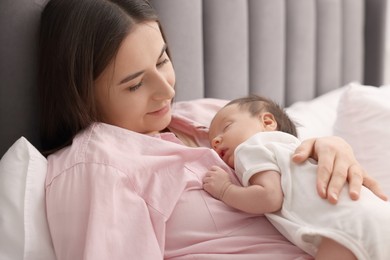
{"points": [[252, 157], [94, 212]]}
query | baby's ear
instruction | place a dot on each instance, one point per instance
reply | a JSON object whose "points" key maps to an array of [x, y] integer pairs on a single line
{"points": [[269, 121]]}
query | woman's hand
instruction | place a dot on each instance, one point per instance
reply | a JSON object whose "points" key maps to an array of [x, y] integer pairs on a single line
{"points": [[336, 165]]}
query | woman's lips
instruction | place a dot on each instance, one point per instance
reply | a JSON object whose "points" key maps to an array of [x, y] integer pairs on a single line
{"points": [[161, 111]]}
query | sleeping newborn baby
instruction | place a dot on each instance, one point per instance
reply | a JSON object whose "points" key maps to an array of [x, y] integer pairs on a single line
{"points": [[254, 136]]}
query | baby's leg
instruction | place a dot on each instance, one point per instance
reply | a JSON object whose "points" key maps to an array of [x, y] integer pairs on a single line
{"points": [[330, 249]]}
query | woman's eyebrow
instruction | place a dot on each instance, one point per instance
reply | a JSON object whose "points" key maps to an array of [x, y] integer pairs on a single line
{"points": [[130, 77], [137, 74]]}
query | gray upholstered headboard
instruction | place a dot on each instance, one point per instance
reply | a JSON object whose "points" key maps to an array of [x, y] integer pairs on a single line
{"points": [[287, 50]]}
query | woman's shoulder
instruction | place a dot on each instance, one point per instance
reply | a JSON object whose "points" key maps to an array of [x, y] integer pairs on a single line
{"points": [[100, 148], [98, 143]]}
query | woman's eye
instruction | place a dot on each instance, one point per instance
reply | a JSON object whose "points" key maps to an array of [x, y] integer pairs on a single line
{"points": [[134, 88], [162, 63]]}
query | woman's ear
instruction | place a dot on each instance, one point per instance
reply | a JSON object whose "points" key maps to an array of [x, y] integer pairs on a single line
{"points": [[268, 121]]}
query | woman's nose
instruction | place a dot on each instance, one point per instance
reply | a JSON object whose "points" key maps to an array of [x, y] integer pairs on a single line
{"points": [[165, 91], [164, 86]]}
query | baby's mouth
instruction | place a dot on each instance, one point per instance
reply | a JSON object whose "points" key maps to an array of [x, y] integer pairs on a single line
{"points": [[222, 153]]}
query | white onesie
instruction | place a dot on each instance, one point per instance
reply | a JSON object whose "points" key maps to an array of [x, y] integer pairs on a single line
{"points": [[363, 226]]}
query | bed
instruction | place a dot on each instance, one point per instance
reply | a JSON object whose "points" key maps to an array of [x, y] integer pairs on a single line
{"points": [[322, 60]]}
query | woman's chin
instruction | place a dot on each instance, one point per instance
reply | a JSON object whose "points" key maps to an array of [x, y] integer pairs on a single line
{"points": [[162, 126]]}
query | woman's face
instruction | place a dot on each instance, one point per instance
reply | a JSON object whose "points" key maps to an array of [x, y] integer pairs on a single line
{"points": [[136, 89]]}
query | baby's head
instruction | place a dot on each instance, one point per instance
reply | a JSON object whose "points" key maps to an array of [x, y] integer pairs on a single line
{"points": [[243, 117]]}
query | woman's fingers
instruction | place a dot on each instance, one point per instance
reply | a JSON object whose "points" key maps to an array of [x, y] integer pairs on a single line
{"points": [[324, 173], [374, 186], [336, 166], [325, 163], [304, 151], [355, 178]]}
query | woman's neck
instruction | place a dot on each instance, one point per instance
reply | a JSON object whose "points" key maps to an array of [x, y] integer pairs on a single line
{"points": [[186, 139]]}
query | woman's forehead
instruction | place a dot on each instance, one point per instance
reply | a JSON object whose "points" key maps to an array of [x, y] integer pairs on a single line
{"points": [[139, 50], [144, 41]]}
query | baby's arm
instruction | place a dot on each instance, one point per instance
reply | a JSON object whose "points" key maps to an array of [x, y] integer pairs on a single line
{"points": [[263, 195]]}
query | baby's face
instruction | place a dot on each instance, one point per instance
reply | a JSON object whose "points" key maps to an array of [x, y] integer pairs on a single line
{"points": [[230, 127]]}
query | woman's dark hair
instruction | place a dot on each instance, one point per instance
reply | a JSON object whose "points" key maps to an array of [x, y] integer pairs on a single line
{"points": [[78, 39], [256, 105]]}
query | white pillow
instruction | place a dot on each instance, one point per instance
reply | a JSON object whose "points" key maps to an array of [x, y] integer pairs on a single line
{"points": [[363, 120], [24, 232], [316, 117]]}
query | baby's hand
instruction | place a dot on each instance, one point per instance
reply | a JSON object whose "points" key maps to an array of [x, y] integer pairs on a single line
{"points": [[216, 182]]}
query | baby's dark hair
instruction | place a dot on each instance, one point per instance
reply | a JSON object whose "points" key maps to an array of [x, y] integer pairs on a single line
{"points": [[256, 105]]}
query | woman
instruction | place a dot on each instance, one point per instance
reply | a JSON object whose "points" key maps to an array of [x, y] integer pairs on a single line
{"points": [[120, 185]]}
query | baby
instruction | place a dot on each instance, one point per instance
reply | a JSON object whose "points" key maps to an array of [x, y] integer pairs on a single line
{"points": [[254, 136]]}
